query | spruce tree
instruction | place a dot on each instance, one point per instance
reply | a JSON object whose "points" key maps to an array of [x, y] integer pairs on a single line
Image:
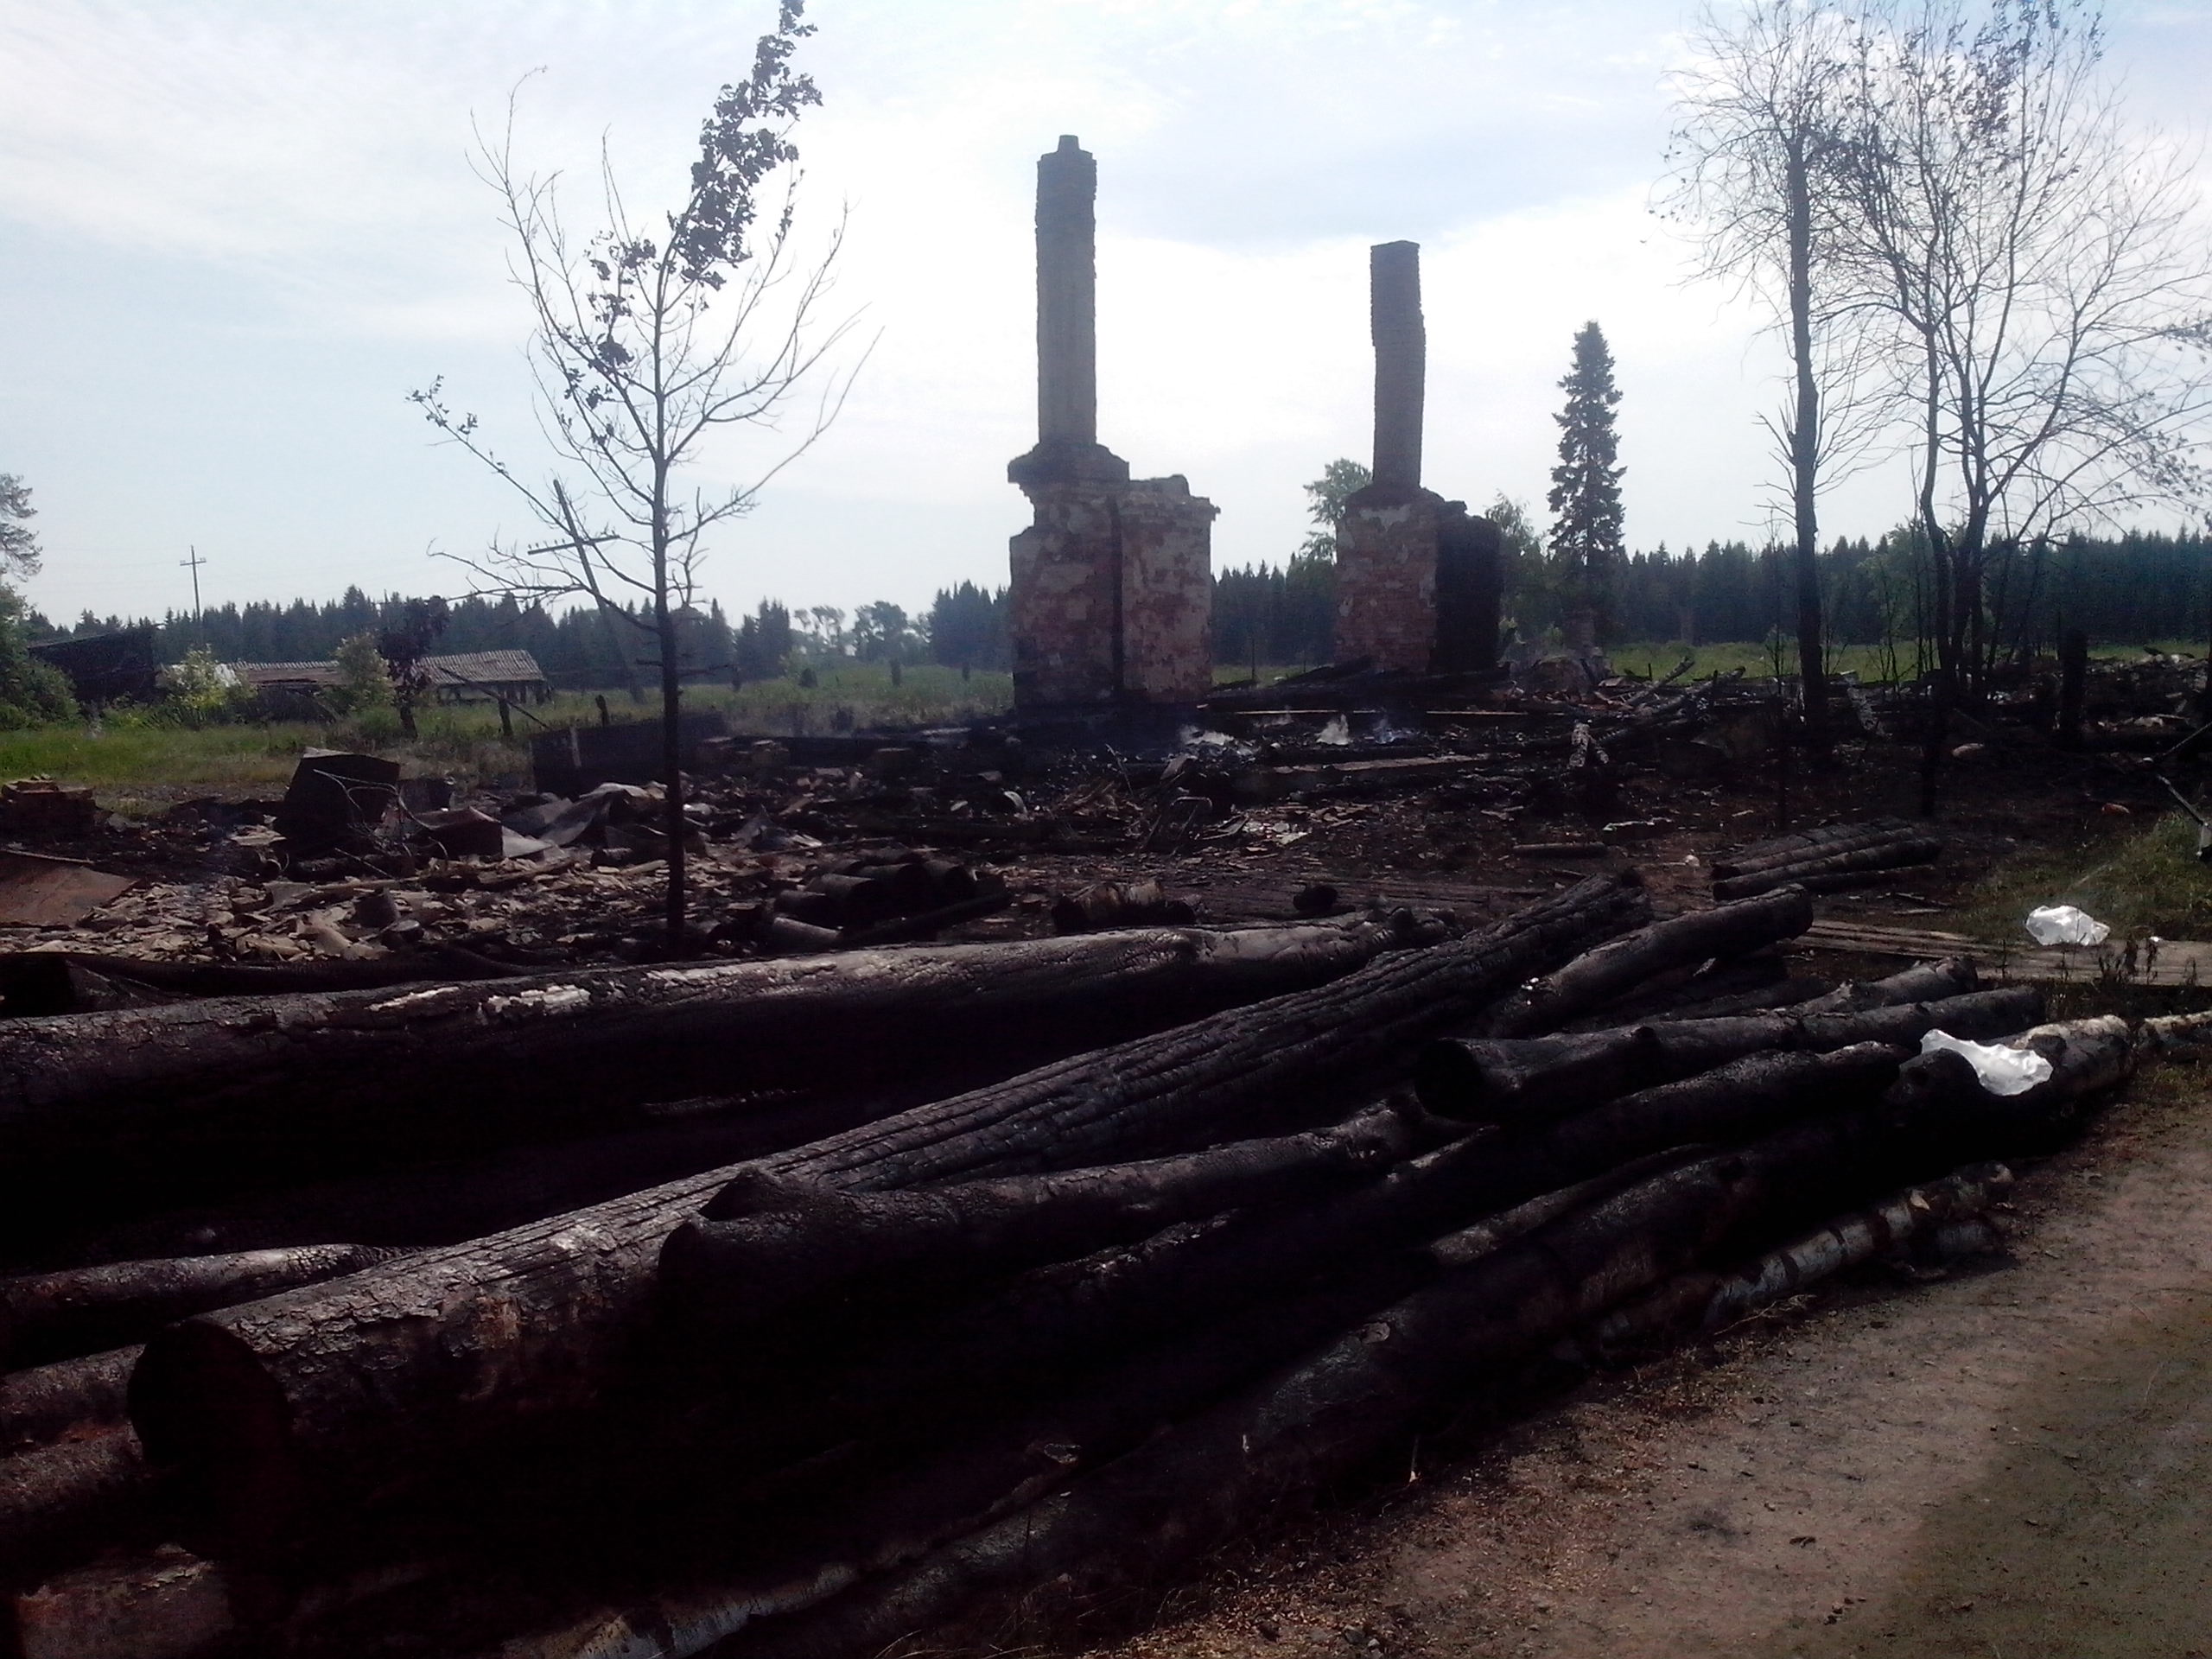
{"points": [[1586, 493]]}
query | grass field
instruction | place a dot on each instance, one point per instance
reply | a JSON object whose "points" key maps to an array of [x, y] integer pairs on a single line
{"points": [[2141, 882], [136, 767]]}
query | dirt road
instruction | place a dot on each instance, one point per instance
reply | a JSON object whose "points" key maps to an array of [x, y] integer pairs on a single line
{"points": [[2011, 1463]]}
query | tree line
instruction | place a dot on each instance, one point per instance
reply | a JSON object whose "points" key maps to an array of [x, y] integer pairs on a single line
{"points": [[583, 646], [2127, 589], [2132, 588]]}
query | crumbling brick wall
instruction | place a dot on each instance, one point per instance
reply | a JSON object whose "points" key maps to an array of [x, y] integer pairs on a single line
{"points": [[1112, 594]]}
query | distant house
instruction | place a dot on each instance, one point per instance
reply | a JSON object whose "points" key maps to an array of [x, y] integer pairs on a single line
{"points": [[106, 667], [305, 678], [480, 676], [469, 677]]}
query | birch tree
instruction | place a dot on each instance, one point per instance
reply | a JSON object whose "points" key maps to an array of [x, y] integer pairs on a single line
{"points": [[1758, 139], [649, 342], [2048, 283]]}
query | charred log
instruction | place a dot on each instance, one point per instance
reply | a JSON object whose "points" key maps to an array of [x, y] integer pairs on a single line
{"points": [[103, 1110], [1783, 850], [1924, 982], [1200, 1482], [56, 1315], [80, 981], [788, 1242], [1834, 871], [66, 1498], [72, 1399], [1708, 1300], [837, 1533], [261, 1403], [1619, 964], [1509, 1078]]}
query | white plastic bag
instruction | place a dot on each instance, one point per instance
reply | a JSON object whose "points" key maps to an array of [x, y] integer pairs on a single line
{"points": [[2064, 925], [2002, 1071]]}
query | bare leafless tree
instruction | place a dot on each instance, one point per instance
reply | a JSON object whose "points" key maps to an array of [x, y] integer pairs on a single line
{"points": [[1761, 116], [2051, 288], [648, 341]]}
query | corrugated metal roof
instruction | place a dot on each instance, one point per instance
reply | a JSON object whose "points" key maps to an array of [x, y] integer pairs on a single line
{"points": [[485, 667]]}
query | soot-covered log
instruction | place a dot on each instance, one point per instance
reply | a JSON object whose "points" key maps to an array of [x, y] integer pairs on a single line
{"points": [[56, 1315], [1830, 872], [459, 1198], [1051, 1324], [1741, 1098], [80, 981], [1200, 1482], [1708, 1300], [892, 1509], [1783, 850], [259, 1404], [1224, 1075], [1924, 982], [103, 1111], [1620, 964], [71, 1399], [764, 1243], [1483, 1079], [1761, 979], [68, 1498]]}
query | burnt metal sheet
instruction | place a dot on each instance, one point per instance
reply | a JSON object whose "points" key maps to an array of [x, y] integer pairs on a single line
{"points": [[39, 891]]}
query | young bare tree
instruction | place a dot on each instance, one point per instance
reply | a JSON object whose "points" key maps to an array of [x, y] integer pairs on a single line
{"points": [[2051, 292], [648, 342], [1757, 140]]}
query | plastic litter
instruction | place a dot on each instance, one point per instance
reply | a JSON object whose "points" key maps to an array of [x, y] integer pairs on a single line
{"points": [[2001, 1070], [2064, 925]]}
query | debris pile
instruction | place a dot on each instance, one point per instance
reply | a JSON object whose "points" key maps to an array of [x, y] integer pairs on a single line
{"points": [[799, 1305]]}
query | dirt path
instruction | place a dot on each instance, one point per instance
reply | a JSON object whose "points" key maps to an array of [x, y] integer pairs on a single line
{"points": [[2012, 1463]]}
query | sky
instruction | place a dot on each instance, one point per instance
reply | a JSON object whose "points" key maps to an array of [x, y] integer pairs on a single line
{"points": [[234, 234]]}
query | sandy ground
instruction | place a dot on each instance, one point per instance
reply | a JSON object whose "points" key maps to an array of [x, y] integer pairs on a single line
{"points": [[2014, 1462]]}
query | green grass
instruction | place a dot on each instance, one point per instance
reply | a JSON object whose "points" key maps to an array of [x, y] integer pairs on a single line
{"points": [[152, 764], [136, 768], [928, 695], [2139, 883], [1871, 662]]}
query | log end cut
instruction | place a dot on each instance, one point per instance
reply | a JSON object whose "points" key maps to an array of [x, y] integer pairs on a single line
{"points": [[208, 1414]]}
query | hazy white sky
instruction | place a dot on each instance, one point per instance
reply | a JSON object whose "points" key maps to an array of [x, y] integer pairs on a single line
{"points": [[233, 234]]}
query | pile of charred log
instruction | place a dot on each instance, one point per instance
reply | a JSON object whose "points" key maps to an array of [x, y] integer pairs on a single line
{"points": [[791, 1306], [1830, 858]]}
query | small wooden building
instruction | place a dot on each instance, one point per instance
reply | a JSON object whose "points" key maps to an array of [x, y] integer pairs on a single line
{"points": [[466, 677], [483, 676]]}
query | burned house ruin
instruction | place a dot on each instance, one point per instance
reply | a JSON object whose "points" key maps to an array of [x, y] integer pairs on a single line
{"points": [[1418, 577], [1112, 584]]}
